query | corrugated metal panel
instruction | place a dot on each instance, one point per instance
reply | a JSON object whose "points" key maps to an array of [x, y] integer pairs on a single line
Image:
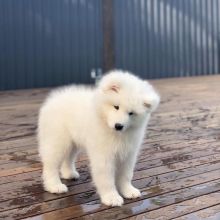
{"points": [[167, 38], [54, 42], [49, 42]]}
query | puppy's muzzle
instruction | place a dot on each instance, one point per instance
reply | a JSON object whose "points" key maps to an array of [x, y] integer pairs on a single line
{"points": [[118, 127]]}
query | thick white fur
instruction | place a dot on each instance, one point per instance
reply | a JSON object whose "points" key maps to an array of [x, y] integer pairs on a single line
{"points": [[76, 117]]}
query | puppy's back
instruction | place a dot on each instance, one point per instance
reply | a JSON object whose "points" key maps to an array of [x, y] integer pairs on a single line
{"points": [[64, 107]]}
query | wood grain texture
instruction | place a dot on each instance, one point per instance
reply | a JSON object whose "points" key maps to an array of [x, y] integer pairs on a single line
{"points": [[177, 169]]}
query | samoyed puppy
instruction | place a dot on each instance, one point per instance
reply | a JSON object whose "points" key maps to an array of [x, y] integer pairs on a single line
{"points": [[108, 121]]}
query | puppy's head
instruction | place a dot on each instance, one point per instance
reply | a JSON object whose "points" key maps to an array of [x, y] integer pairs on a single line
{"points": [[125, 101]]}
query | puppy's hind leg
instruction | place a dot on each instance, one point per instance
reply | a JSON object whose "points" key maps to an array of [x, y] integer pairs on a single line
{"points": [[68, 168], [52, 157]]}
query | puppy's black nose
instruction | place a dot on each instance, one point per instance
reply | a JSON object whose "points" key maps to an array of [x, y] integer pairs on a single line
{"points": [[118, 127]]}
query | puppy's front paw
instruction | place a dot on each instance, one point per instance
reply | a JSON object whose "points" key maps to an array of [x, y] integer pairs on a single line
{"points": [[112, 199], [130, 192], [56, 188]]}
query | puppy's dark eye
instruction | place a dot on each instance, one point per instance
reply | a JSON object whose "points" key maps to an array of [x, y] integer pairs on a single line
{"points": [[116, 107], [131, 113]]}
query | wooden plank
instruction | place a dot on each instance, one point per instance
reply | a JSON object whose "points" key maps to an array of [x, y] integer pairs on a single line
{"points": [[20, 166], [149, 167], [199, 123], [146, 204], [186, 207], [159, 131], [182, 137], [22, 169], [8, 98], [12, 132], [153, 198], [22, 143], [22, 156], [146, 140], [211, 213], [29, 188], [164, 178]]}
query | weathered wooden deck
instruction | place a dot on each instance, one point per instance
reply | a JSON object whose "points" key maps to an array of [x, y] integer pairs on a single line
{"points": [[178, 169]]}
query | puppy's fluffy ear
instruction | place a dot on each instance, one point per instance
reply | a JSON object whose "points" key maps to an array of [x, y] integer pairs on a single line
{"points": [[152, 101], [147, 105], [111, 82], [113, 88]]}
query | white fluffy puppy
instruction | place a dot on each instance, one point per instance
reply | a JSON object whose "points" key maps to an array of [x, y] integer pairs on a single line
{"points": [[108, 121]]}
